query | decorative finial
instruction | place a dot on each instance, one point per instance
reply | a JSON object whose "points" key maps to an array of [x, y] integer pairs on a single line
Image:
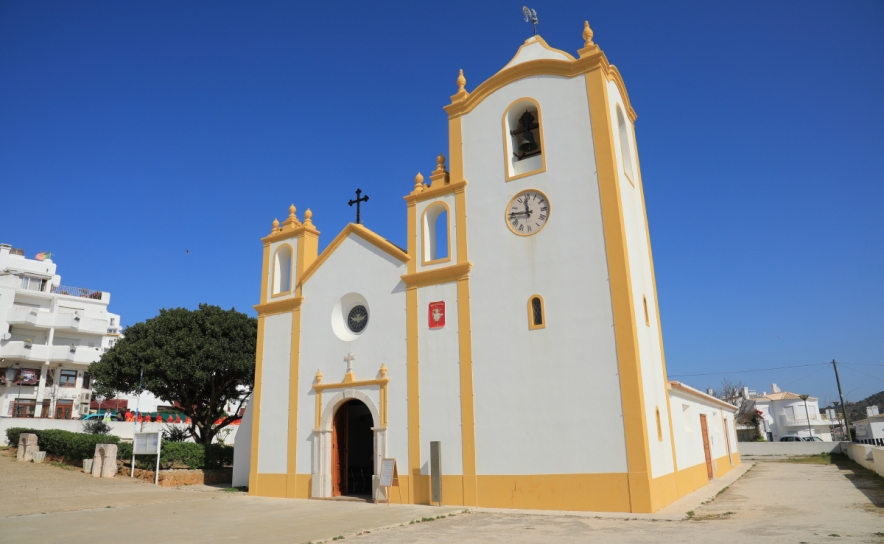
{"points": [[318, 376], [461, 82], [292, 218], [383, 370], [587, 34], [275, 225], [440, 163], [418, 183], [308, 218]]}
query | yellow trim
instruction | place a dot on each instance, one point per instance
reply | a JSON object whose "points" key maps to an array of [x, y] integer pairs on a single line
{"points": [[271, 485], [605, 492], [425, 233], [285, 232], [350, 385], [254, 483], [278, 306], [294, 390], [531, 41], [297, 486], [509, 206], [265, 271], [413, 488], [273, 291], [430, 193], [436, 276], [460, 226], [591, 59], [455, 152], [531, 325], [507, 141], [359, 230], [467, 408], [626, 337]]}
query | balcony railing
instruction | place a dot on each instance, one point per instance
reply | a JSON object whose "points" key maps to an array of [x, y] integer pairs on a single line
{"points": [[77, 292], [814, 420]]}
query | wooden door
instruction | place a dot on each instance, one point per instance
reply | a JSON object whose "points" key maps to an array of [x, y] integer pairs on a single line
{"points": [[339, 452], [706, 449]]}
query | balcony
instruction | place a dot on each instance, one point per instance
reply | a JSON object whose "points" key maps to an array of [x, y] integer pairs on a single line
{"points": [[80, 292], [56, 354], [787, 421], [43, 319]]}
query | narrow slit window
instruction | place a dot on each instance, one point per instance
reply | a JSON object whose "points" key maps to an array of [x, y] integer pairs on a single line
{"points": [[436, 234], [536, 317], [625, 149], [659, 427], [282, 270], [647, 316]]}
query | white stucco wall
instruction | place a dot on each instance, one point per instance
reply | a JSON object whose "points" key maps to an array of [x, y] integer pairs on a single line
{"points": [[438, 353], [273, 436], [356, 266], [541, 395], [653, 380]]}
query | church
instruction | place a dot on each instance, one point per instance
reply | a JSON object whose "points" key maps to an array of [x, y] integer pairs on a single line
{"points": [[519, 328]]}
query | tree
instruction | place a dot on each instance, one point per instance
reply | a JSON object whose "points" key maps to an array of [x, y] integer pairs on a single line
{"points": [[200, 359], [747, 414]]}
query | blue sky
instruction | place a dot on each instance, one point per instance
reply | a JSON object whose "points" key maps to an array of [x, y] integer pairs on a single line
{"points": [[131, 132]]}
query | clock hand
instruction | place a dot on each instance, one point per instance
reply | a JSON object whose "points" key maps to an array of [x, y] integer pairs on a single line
{"points": [[513, 214]]}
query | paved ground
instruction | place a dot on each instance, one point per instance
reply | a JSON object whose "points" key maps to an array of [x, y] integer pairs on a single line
{"points": [[774, 502]]}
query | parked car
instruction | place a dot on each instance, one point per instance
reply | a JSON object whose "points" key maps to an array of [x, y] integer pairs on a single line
{"points": [[113, 416], [791, 439], [812, 439]]}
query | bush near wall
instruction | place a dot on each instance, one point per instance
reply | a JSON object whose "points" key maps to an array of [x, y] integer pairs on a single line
{"points": [[181, 455], [71, 446]]}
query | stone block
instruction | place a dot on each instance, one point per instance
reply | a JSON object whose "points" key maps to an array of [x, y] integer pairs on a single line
{"points": [[27, 439], [104, 463], [26, 453]]}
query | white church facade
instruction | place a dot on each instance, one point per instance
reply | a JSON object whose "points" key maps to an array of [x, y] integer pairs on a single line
{"points": [[519, 327]]}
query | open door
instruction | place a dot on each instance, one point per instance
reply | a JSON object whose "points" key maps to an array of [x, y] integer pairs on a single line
{"points": [[339, 452], [706, 449]]}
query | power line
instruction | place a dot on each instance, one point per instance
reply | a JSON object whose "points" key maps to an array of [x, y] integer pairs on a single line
{"points": [[801, 378], [744, 371], [864, 374]]}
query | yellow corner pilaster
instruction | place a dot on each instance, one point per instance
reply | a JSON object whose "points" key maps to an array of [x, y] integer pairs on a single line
{"points": [[256, 393], [626, 338], [414, 427], [467, 410]]}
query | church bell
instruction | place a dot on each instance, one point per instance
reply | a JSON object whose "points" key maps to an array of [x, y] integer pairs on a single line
{"points": [[527, 143]]}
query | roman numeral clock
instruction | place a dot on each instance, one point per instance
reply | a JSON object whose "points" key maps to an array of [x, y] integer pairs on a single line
{"points": [[527, 212]]}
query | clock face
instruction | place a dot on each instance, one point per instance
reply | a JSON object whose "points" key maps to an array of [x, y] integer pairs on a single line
{"points": [[527, 212]]}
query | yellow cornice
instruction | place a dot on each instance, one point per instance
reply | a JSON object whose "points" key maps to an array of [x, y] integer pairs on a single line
{"points": [[532, 40], [378, 241], [437, 275], [285, 233], [591, 58], [348, 385], [700, 395], [278, 306], [435, 192]]}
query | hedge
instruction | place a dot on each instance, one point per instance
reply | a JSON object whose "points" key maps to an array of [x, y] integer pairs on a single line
{"points": [[181, 455], [72, 446], [76, 446]]}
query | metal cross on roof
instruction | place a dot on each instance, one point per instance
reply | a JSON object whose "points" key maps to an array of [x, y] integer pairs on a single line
{"points": [[357, 201]]}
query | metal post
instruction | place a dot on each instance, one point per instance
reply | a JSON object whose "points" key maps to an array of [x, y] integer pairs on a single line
{"points": [[843, 405], [436, 472]]}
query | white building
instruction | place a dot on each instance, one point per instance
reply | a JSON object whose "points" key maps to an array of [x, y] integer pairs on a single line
{"points": [[787, 414], [49, 335], [519, 327], [871, 429]]}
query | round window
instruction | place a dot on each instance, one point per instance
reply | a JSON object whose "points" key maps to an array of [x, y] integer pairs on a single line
{"points": [[357, 319]]}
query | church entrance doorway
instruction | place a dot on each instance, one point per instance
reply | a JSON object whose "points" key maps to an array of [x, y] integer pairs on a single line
{"points": [[352, 450]]}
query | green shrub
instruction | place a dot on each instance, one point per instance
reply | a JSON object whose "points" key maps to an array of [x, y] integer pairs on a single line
{"points": [[72, 446], [96, 426], [181, 455]]}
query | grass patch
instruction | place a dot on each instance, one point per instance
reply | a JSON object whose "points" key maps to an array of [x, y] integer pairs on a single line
{"points": [[818, 459], [239, 489]]}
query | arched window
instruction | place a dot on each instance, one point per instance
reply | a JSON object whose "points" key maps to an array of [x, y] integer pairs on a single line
{"points": [[647, 316], [625, 148], [659, 427], [523, 139], [282, 270], [536, 315], [436, 237]]}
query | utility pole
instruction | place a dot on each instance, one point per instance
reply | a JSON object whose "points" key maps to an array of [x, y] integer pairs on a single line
{"points": [[843, 404]]}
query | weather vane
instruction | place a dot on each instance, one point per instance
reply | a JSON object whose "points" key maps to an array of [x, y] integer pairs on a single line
{"points": [[530, 16]]}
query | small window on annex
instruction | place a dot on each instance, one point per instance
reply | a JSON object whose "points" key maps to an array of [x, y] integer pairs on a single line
{"points": [[282, 270], [659, 427], [625, 148], [436, 227], [536, 316], [523, 139]]}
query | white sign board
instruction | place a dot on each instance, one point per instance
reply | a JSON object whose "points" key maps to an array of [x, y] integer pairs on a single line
{"points": [[388, 467], [146, 444]]}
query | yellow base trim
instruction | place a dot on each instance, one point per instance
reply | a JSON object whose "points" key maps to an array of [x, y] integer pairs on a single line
{"points": [[722, 466], [270, 485], [582, 492], [298, 486]]}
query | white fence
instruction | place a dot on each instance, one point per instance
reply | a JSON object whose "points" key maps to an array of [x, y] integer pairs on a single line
{"points": [[123, 429], [790, 448]]}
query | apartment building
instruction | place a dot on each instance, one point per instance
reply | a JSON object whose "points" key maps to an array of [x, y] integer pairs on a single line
{"points": [[49, 335]]}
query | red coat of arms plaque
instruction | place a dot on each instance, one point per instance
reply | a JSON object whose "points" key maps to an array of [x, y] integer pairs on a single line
{"points": [[436, 317]]}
